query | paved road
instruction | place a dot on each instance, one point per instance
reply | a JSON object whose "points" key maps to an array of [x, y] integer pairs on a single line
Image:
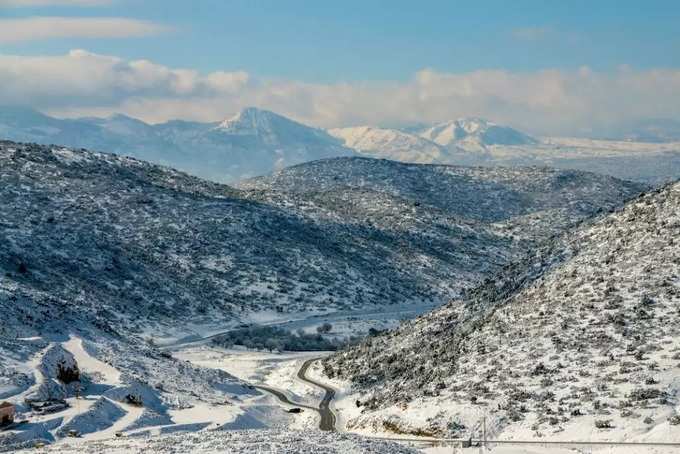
{"points": [[283, 398], [328, 419]]}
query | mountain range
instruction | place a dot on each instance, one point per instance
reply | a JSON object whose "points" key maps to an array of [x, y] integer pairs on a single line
{"points": [[256, 142], [253, 142], [478, 142]]}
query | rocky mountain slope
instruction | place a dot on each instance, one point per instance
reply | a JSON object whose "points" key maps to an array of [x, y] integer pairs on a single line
{"points": [[253, 142], [578, 341], [140, 242]]}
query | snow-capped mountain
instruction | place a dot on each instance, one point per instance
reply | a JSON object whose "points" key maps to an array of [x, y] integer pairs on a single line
{"points": [[577, 341], [253, 142], [474, 133], [256, 142], [392, 144], [479, 142], [454, 142]]}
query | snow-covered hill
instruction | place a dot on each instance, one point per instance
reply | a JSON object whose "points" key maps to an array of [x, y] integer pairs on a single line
{"points": [[391, 144], [474, 133], [253, 142], [153, 246], [579, 341], [478, 142], [543, 200]]}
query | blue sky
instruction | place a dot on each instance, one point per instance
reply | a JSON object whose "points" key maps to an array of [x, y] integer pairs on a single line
{"points": [[381, 40], [548, 67]]}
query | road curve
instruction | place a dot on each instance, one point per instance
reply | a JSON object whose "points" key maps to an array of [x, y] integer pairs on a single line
{"points": [[283, 398], [328, 419]]}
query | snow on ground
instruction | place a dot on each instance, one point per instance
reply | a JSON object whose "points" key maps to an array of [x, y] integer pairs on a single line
{"points": [[91, 365], [256, 441], [271, 369], [99, 409], [346, 323]]}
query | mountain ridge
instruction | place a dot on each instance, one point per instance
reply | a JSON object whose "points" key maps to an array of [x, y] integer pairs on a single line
{"points": [[256, 142], [252, 142]]}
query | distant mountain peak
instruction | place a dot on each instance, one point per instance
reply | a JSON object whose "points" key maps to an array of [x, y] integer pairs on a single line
{"points": [[390, 144], [475, 131], [254, 119]]}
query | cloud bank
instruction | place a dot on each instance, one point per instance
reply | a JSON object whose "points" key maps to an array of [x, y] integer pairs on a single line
{"points": [[40, 28], [549, 102]]}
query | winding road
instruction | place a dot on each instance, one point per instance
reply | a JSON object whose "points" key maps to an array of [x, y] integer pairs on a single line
{"points": [[328, 419]]}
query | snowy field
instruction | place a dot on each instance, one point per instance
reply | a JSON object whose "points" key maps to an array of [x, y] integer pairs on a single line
{"points": [[102, 409], [274, 370]]}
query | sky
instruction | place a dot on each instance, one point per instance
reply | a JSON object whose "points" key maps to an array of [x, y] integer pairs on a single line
{"points": [[548, 67]]}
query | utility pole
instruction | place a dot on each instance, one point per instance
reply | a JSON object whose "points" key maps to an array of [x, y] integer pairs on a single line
{"points": [[484, 433]]}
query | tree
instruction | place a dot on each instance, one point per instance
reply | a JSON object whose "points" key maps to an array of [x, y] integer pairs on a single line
{"points": [[325, 328]]}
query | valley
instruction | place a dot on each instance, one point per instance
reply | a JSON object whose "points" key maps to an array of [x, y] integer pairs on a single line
{"points": [[339, 227], [141, 281]]}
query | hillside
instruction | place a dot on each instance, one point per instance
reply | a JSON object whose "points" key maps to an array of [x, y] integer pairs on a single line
{"points": [[541, 200], [153, 246], [100, 255], [578, 341]]}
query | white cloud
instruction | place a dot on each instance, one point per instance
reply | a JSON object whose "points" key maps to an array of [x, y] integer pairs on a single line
{"points": [[28, 3], [540, 102], [37, 28]]}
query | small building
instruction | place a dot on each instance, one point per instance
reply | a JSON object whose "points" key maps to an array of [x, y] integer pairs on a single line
{"points": [[7, 411]]}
